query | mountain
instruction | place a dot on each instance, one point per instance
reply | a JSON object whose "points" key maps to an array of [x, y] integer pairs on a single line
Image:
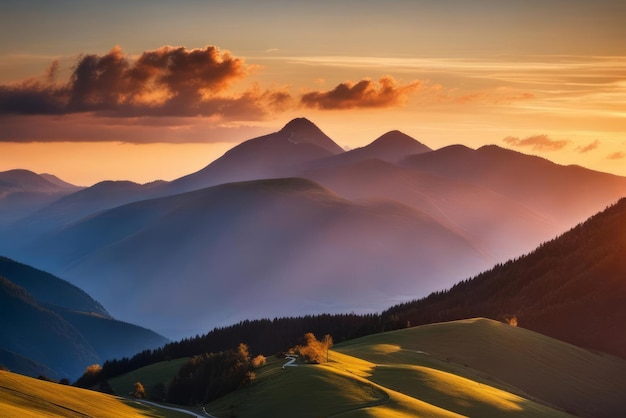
{"points": [[571, 288], [23, 192], [565, 195], [279, 154], [261, 248], [101, 196], [392, 147], [40, 334], [486, 218], [48, 289], [51, 327]]}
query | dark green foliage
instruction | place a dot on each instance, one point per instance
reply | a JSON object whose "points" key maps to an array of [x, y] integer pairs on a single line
{"points": [[263, 336], [208, 376], [572, 288]]}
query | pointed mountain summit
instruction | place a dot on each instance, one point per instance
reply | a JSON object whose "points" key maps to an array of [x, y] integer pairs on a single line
{"points": [[392, 147], [302, 130], [279, 154]]}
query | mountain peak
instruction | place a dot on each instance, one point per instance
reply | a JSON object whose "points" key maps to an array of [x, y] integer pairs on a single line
{"points": [[399, 140], [298, 124], [303, 131]]}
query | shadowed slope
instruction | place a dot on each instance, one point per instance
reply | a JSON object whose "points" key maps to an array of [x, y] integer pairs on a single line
{"points": [[571, 288], [53, 323]]}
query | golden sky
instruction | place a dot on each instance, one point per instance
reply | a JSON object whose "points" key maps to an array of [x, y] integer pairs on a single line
{"points": [[149, 90]]}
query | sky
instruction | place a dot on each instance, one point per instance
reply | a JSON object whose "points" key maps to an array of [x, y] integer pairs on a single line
{"points": [[151, 89]]}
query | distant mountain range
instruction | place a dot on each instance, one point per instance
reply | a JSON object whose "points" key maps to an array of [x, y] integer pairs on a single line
{"points": [[289, 223], [52, 328]]}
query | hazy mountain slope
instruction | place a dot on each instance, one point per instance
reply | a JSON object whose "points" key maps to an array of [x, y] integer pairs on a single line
{"points": [[101, 196], [565, 194], [40, 334], [264, 248], [48, 289], [54, 323], [392, 147], [23, 365], [502, 227], [571, 288], [280, 154], [22, 192], [576, 380]]}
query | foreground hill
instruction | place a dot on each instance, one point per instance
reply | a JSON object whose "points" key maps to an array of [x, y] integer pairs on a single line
{"points": [[475, 367], [51, 327], [571, 288], [253, 249], [25, 397]]}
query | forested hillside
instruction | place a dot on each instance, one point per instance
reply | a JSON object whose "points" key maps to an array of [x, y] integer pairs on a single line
{"points": [[571, 288]]}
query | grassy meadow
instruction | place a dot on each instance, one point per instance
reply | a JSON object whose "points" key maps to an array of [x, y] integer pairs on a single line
{"points": [[25, 397], [476, 368], [473, 368]]}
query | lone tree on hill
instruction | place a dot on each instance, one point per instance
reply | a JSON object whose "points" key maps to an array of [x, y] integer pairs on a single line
{"points": [[314, 351], [138, 391]]}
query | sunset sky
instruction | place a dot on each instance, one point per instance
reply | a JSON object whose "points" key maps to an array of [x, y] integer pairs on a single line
{"points": [[152, 89]]}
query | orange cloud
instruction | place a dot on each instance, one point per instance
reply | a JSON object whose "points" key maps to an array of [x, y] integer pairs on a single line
{"points": [[589, 147], [168, 81], [538, 142], [616, 156], [363, 94]]}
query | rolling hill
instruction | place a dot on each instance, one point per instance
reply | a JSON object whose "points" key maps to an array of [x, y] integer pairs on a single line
{"points": [[475, 367], [25, 397]]}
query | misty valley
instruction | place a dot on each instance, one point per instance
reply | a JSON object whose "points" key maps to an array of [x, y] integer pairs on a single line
{"points": [[430, 272]]}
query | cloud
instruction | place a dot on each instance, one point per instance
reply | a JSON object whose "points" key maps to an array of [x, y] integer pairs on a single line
{"points": [[616, 156], [589, 147], [538, 142], [363, 94], [168, 81]]}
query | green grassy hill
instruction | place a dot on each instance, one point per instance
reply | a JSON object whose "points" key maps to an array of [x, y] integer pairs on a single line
{"points": [[149, 376], [25, 397], [476, 368]]}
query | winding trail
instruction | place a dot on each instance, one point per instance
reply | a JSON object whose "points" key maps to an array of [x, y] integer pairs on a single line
{"points": [[292, 359], [185, 411]]}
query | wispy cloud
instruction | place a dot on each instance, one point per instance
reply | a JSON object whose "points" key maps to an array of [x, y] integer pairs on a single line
{"points": [[616, 156], [538, 142], [387, 92], [589, 147]]}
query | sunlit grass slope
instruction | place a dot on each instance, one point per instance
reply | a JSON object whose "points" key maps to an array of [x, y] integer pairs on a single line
{"points": [[149, 376], [25, 397], [486, 351], [392, 375]]}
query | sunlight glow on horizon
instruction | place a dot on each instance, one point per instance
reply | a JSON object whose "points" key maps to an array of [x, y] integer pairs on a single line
{"points": [[444, 74]]}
